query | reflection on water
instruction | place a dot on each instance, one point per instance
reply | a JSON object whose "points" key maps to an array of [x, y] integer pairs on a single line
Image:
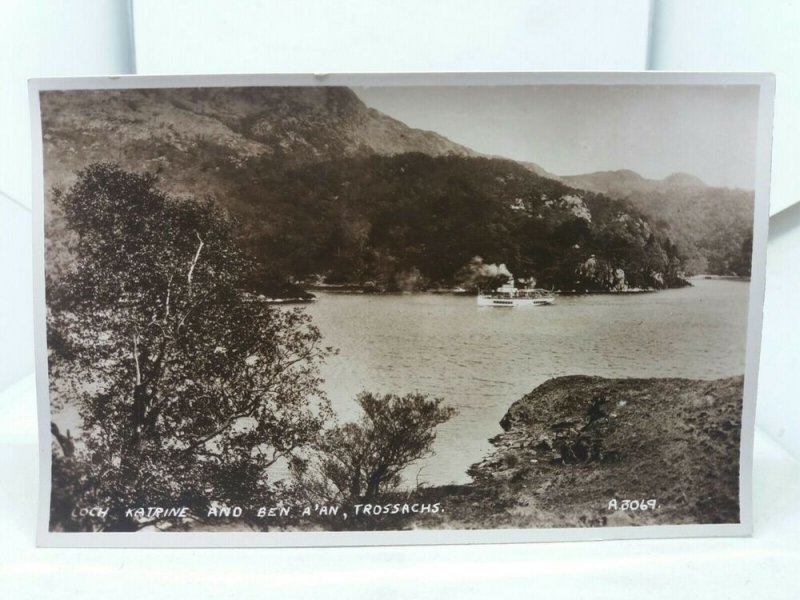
{"points": [[480, 360]]}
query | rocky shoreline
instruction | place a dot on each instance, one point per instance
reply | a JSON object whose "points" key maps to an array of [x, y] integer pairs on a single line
{"points": [[580, 451], [576, 448]]}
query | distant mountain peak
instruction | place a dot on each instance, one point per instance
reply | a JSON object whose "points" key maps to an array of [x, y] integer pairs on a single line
{"points": [[685, 180], [624, 182], [622, 174]]}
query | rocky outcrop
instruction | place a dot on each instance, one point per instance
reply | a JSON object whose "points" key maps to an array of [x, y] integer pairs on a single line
{"points": [[602, 275], [575, 448]]}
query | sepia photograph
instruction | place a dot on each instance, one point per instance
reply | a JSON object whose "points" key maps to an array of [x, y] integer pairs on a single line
{"points": [[282, 308]]}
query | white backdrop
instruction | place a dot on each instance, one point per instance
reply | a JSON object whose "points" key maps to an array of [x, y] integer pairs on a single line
{"points": [[362, 36], [86, 37], [71, 37]]}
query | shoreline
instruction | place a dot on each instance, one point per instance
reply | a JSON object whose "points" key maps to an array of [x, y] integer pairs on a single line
{"points": [[585, 451], [356, 290], [439, 292], [577, 451], [575, 447]]}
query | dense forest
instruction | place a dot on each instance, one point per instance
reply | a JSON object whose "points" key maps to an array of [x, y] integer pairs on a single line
{"points": [[413, 221], [711, 226]]}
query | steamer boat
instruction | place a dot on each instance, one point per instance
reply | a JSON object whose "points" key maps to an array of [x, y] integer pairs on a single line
{"points": [[509, 296]]}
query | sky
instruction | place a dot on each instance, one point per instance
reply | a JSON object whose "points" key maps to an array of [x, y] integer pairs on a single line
{"points": [[706, 131]]}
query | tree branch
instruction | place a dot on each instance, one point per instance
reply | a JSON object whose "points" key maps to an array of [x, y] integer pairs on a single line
{"points": [[65, 441], [136, 358], [166, 302], [219, 430], [194, 263]]}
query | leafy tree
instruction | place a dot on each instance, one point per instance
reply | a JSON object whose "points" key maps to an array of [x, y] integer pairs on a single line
{"points": [[364, 460], [189, 388]]}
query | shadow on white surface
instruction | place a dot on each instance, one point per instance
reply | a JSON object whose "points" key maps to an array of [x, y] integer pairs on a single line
{"points": [[778, 409], [16, 293]]}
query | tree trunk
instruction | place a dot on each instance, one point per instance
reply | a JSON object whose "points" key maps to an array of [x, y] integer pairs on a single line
{"points": [[373, 485]]}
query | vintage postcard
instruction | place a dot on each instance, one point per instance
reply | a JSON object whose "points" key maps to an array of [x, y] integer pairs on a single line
{"points": [[398, 309]]}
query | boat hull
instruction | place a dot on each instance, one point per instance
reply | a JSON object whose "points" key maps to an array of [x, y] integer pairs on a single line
{"points": [[514, 302]]}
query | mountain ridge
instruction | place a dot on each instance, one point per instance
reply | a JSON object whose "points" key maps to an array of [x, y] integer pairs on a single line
{"points": [[711, 226], [297, 125], [234, 143], [623, 182]]}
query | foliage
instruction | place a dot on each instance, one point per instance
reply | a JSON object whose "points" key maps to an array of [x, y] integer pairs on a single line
{"points": [[412, 221], [363, 461], [188, 387], [708, 225]]}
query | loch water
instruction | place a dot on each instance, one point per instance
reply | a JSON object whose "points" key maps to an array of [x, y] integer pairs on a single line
{"points": [[482, 359]]}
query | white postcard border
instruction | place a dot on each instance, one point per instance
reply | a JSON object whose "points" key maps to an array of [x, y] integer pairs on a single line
{"points": [[766, 83]]}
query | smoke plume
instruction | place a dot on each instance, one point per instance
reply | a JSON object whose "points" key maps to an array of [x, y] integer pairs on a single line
{"points": [[478, 275]]}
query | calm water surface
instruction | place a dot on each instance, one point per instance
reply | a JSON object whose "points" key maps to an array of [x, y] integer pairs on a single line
{"points": [[480, 360]]}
